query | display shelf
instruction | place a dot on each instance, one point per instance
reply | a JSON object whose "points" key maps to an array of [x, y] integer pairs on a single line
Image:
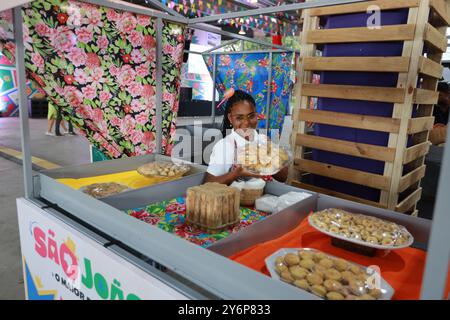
{"points": [[106, 217], [402, 153]]}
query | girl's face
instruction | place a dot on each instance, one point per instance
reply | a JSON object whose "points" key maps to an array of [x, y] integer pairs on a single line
{"points": [[243, 117]]}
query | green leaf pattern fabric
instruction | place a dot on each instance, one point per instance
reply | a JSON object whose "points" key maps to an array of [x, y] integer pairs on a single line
{"points": [[99, 66]]}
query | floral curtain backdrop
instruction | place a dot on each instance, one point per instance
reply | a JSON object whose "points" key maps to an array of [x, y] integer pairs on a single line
{"points": [[99, 66], [250, 72]]}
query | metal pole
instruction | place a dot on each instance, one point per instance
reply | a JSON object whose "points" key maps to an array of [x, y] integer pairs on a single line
{"points": [[273, 9], [249, 51], [213, 104], [269, 90], [23, 103], [159, 74], [438, 253]]}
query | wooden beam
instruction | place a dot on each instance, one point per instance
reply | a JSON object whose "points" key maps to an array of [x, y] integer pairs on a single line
{"points": [[362, 150], [423, 96], [363, 34], [359, 64], [332, 193], [350, 175], [430, 68], [420, 124], [409, 179], [440, 8], [365, 93], [357, 121], [362, 7], [435, 39], [409, 202], [417, 151]]}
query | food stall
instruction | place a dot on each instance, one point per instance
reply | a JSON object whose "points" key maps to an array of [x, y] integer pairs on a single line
{"points": [[76, 246]]}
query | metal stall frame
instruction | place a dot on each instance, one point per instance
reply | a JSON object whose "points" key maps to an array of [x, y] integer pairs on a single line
{"points": [[438, 255]]}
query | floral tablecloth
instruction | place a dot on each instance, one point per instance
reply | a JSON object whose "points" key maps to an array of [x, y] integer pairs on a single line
{"points": [[169, 215]]}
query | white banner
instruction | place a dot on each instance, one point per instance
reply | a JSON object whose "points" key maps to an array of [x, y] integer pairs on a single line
{"points": [[61, 263]]}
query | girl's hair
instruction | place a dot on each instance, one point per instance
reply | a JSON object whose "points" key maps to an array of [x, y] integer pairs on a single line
{"points": [[238, 96]]}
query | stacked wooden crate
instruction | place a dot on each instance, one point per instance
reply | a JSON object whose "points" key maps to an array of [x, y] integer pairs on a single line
{"points": [[424, 41]]}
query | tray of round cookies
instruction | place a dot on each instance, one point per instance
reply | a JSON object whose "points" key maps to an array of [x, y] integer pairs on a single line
{"points": [[327, 276]]}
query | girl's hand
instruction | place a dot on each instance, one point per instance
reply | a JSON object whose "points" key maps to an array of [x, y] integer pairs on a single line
{"points": [[239, 171]]}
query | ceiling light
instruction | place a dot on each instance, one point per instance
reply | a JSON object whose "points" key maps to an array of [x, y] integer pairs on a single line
{"points": [[242, 30]]}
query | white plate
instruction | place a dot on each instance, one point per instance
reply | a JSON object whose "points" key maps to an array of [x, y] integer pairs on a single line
{"points": [[364, 243], [386, 289]]}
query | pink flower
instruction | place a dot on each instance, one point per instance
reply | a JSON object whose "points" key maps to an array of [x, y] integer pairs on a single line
{"points": [[137, 105], [136, 136], [80, 76], [127, 126], [169, 97], [74, 15], [94, 17], [84, 111], [143, 20], [97, 77], [148, 43], [38, 61], [127, 23], [142, 118], [135, 89], [148, 138], [112, 14], [136, 56], [104, 97], [147, 91], [142, 70], [42, 29], [97, 115], [115, 121], [168, 49], [102, 42], [126, 75], [114, 70], [92, 60], [168, 150], [135, 38], [63, 39], [84, 34], [73, 96], [77, 56], [89, 92]]}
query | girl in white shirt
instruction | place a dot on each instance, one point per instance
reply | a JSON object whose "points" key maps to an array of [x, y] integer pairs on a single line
{"points": [[242, 119]]}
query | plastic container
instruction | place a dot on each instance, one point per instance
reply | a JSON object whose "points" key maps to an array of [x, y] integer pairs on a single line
{"points": [[163, 169], [263, 158], [327, 276], [101, 190]]}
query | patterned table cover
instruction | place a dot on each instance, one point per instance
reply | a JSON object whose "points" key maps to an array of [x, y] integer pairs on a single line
{"points": [[169, 215]]}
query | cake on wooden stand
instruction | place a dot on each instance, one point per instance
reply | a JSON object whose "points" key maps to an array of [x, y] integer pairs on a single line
{"points": [[212, 206]]}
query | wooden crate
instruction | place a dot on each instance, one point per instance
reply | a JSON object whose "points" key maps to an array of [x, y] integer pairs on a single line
{"points": [[424, 41]]}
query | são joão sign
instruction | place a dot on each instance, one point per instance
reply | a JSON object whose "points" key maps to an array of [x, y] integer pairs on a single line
{"points": [[63, 256]]}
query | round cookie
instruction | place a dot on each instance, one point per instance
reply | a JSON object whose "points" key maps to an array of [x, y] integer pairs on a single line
{"points": [[302, 284], [319, 290], [334, 296], [314, 279], [298, 272], [307, 264], [333, 274], [291, 259], [326, 263]]}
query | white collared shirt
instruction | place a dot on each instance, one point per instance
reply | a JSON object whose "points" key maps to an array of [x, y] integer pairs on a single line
{"points": [[222, 157]]}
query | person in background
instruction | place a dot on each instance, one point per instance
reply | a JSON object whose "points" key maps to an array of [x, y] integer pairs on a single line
{"points": [[51, 117], [241, 117], [441, 115], [60, 122]]}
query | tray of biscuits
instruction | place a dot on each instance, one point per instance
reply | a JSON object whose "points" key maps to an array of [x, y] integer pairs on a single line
{"points": [[361, 229], [327, 276], [263, 158], [163, 169]]}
